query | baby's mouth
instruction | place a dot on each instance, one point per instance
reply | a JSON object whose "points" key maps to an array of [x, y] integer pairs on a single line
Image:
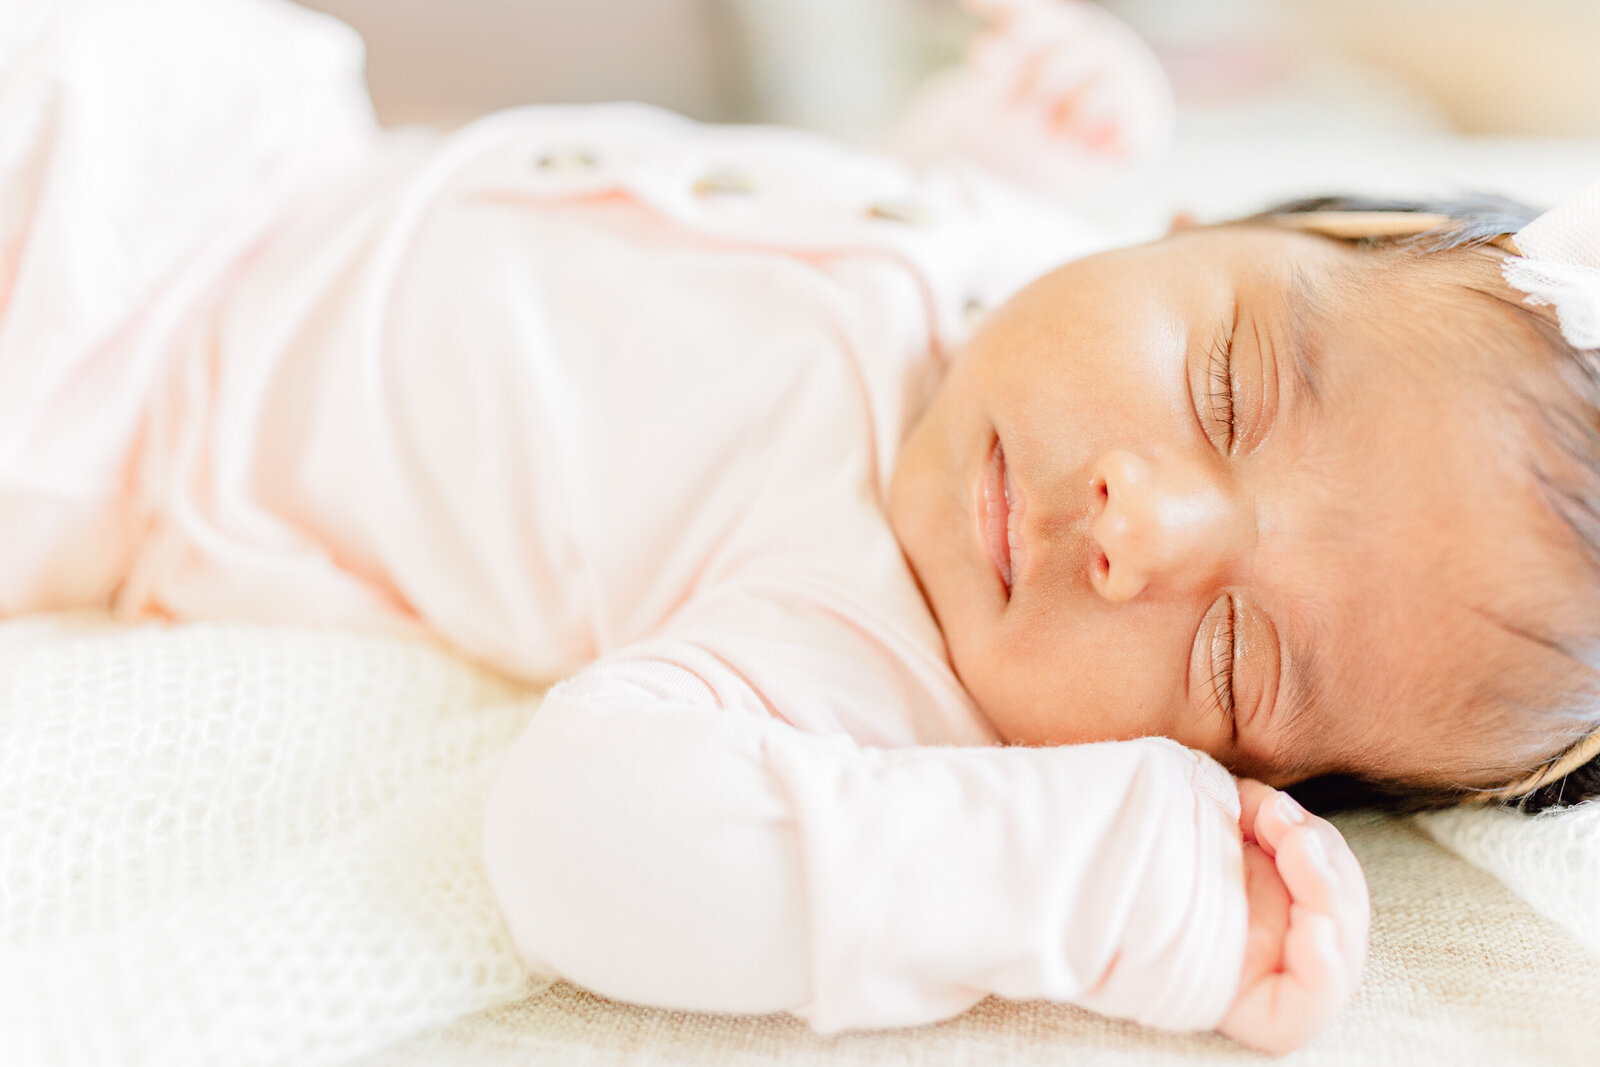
{"points": [[999, 515]]}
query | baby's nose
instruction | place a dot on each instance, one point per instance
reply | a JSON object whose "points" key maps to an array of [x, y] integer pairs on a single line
{"points": [[1172, 525]]}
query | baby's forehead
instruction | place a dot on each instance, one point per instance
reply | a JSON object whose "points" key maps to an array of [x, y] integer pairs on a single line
{"points": [[1331, 272], [1449, 318]]}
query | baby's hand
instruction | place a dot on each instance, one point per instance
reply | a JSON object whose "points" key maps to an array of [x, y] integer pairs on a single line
{"points": [[1308, 923], [1050, 89]]}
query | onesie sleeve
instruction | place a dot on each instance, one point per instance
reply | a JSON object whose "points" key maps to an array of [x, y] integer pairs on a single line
{"points": [[655, 848]]}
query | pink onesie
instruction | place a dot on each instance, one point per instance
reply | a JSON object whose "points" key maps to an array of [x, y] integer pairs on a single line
{"points": [[595, 394]]}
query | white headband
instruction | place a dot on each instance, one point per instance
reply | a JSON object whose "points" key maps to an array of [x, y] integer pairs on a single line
{"points": [[1559, 265]]}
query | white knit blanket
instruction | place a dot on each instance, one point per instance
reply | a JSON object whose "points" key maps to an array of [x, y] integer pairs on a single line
{"points": [[1551, 860], [241, 845], [253, 845]]}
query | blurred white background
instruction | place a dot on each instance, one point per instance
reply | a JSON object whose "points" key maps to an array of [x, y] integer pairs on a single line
{"points": [[1524, 67]]}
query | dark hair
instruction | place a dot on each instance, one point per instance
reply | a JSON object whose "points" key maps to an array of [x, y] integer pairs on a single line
{"points": [[1478, 221]]}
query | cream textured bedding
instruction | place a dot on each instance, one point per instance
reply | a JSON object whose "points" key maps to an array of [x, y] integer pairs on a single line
{"points": [[243, 844]]}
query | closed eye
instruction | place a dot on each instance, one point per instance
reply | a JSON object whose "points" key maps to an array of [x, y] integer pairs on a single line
{"points": [[1223, 649], [1220, 391]]}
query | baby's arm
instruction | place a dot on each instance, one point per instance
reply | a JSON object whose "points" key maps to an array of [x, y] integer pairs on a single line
{"points": [[1309, 916], [658, 849]]}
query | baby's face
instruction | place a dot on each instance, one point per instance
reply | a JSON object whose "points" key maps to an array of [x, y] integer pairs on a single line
{"points": [[1217, 488]]}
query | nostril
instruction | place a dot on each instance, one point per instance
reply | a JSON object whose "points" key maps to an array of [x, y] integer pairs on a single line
{"points": [[1102, 565], [1102, 490]]}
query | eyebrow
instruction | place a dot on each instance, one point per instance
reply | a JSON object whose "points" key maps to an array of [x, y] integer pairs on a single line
{"points": [[1305, 333]]}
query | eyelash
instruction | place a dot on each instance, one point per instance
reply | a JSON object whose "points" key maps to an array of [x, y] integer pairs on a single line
{"points": [[1222, 677], [1220, 372]]}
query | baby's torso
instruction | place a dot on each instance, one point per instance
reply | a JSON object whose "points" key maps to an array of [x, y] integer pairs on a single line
{"points": [[576, 378]]}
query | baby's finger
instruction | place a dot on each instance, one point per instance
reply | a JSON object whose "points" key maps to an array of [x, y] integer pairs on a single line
{"points": [[1314, 968], [1279, 1012], [1252, 795], [1307, 872], [1352, 880], [1307, 861], [1284, 816], [999, 57], [1065, 69], [1354, 907], [1100, 115], [1009, 61], [1275, 820], [1065, 82]]}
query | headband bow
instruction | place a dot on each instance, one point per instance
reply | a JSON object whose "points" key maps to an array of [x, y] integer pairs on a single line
{"points": [[1559, 265]]}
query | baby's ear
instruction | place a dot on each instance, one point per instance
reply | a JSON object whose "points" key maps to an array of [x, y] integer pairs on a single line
{"points": [[1181, 221]]}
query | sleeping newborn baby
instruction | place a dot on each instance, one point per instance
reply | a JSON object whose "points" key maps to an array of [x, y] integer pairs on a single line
{"points": [[916, 574]]}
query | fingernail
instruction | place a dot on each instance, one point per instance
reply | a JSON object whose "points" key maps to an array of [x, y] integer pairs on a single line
{"points": [[1289, 810]]}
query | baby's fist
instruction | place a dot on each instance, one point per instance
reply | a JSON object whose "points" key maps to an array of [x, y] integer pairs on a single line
{"points": [[1309, 917], [1051, 93]]}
